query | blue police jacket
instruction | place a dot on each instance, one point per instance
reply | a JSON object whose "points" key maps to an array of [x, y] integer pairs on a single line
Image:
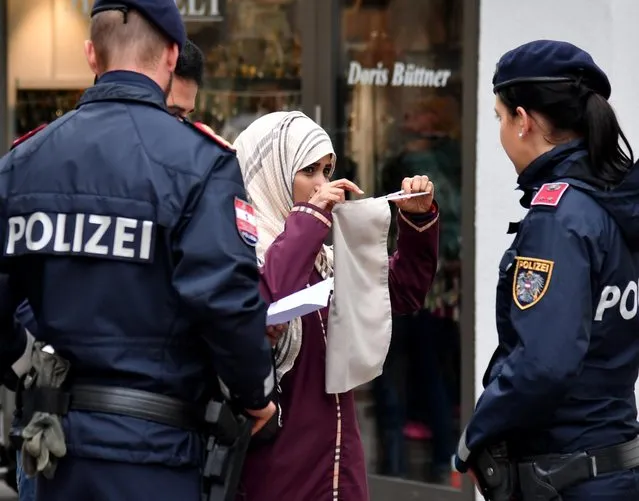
{"points": [[120, 225], [563, 377]]}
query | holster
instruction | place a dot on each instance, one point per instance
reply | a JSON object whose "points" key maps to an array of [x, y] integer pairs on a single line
{"points": [[534, 484], [496, 475], [544, 477], [228, 440]]}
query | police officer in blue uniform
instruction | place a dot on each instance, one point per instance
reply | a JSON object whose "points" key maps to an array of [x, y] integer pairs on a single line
{"points": [[128, 232], [557, 419]]}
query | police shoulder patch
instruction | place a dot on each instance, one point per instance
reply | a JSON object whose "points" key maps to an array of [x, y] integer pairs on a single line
{"points": [[550, 194], [531, 280], [210, 133], [246, 221], [29, 134]]}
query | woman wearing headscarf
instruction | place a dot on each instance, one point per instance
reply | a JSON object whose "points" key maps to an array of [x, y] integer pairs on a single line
{"points": [[287, 161]]}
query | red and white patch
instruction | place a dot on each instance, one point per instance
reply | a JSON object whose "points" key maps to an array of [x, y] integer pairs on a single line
{"points": [[550, 194], [246, 221], [202, 127], [29, 134]]}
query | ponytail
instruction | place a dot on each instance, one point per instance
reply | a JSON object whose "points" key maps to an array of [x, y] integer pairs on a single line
{"points": [[572, 106], [602, 133]]}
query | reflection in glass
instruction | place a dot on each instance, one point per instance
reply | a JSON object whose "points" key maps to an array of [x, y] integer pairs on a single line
{"points": [[253, 64], [401, 78], [35, 107]]}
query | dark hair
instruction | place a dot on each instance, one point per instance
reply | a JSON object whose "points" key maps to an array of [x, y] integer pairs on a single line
{"points": [[190, 63], [573, 107]]}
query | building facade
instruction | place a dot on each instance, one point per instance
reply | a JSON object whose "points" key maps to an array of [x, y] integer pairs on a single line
{"points": [[403, 87]]}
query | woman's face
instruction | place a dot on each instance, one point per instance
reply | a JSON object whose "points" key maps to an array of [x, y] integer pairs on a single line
{"points": [[310, 177], [512, 132]]}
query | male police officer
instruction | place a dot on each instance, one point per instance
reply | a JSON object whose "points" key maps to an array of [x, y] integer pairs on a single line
{"points": [[187, 79], [128, 232], [188, 76]]}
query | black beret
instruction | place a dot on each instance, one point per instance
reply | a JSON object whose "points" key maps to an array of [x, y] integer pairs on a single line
{"points": [[550, 61], [164, 14]]}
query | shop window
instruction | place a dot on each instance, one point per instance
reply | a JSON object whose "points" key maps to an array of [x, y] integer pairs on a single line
{"points": [[41, 106], [253, 60], [400, 99]]}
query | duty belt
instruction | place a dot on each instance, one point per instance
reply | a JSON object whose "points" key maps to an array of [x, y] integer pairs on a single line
{"points": [[114, 400], [228, 435], [563, 471], [544, 478]]}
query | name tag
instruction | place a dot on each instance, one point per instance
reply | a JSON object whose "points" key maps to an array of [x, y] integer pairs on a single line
{"points": [[109, 237]]}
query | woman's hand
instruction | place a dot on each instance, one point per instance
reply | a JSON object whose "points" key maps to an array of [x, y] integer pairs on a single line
{"points": [[331, 193], [274, 332], [419, 204]]}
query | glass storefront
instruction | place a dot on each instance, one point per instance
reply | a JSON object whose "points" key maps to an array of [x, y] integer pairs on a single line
{"points": [[253, 63], [401, 114], [35, 107]]}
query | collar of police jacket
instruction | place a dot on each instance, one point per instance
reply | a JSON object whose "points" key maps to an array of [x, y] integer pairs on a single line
{"points": [[125, 91]]}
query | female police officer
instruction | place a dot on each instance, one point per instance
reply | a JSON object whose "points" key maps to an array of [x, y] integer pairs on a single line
{"points": [[559, 391]]}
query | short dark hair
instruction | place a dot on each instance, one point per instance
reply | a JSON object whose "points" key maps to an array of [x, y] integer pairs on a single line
{"points": [[576, 107], [190, 63]]}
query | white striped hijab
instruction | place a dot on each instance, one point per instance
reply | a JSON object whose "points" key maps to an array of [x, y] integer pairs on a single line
{"points": [[271, 151]]}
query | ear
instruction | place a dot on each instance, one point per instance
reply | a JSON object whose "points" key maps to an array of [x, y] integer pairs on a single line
{"points": [[524, 120], [89, 52], [172, 57]]}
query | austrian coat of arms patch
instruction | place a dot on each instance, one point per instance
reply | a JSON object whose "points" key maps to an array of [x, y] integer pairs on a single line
{"points": [[531, 280]]}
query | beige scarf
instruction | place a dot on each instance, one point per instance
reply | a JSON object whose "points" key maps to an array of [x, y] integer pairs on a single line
{"points": [[271, 151], [359, 325]]}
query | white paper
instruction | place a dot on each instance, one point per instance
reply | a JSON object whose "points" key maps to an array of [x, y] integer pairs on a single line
{"points": [[300, 303]]}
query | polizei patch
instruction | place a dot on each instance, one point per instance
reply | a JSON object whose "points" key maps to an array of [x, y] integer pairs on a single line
{"points": [[246, 221], [91, 235], [531, 280]]}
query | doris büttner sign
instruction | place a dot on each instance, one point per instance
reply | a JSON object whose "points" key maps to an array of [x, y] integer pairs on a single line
{"points": [[400, 75]]}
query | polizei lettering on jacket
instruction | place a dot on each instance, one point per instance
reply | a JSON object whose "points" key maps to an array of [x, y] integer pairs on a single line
{"points": [[94, 235], [626, 301]]}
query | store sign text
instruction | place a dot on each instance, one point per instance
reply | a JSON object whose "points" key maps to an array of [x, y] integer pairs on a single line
{"points": [[200, 9], [191, 10], [401, 75]]}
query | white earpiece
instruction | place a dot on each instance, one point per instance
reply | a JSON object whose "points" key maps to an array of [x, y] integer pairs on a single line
{"points": [[521, 133]]}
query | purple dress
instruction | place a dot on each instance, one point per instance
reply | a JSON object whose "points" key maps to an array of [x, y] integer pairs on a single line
{"points": [[318, 454]]}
